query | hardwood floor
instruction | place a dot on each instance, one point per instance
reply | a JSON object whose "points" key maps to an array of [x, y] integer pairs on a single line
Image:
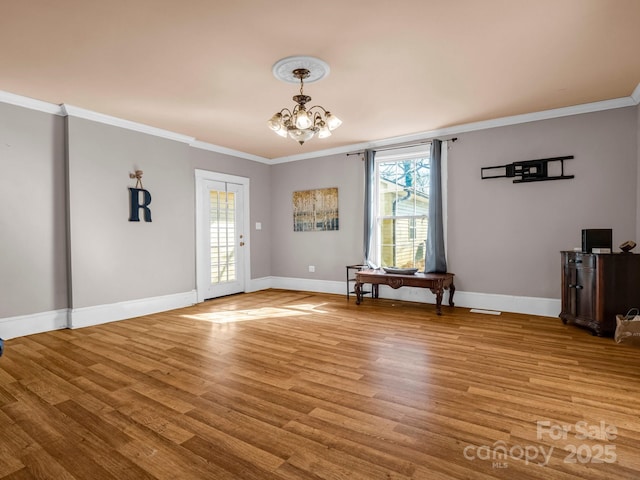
{"points": [[295, 385]]}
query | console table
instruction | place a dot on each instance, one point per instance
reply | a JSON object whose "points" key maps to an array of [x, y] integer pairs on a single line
{"points": [[436, 282]]}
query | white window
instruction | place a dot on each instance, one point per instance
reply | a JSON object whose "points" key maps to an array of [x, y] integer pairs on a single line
{"points": [[401, 210]]}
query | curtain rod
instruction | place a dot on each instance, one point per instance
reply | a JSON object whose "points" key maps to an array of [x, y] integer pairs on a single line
{"points": [[397, 147]]}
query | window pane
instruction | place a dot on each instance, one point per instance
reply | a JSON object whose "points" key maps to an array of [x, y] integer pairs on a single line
{"points": [[402, 211], [402, 242]]}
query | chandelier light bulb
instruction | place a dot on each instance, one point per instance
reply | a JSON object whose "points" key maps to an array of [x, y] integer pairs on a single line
{"points": [[324, 131], [282, 131], [275, 122], [333, 122], [303, 120]]}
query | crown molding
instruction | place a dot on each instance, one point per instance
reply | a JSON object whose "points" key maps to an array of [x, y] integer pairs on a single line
{"points": [[66, 110], [30, 103], [228, 151], [78, 112], [630, 101], [635, 96], [69, 110]]}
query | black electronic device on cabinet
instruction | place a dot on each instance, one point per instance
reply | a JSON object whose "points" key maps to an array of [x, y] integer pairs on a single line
{"points": [[596, 238]]}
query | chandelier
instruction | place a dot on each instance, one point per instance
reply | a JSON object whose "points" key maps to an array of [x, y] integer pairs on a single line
{"points": [[302, 123]]}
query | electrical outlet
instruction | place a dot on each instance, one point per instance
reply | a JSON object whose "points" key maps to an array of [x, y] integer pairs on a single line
{"points": [[312, 268]]}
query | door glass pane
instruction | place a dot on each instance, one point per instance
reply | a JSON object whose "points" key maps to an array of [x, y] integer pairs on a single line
{"points": [[222, 236]]}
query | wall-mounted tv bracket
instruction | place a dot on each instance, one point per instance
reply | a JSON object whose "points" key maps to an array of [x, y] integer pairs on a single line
{"points": [[529, 170]]}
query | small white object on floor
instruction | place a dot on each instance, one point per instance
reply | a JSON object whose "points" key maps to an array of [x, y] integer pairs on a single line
{"points": [[488, 312]]}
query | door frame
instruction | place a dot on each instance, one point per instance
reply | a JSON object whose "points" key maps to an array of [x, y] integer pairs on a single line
{"points": [[202, 276]]}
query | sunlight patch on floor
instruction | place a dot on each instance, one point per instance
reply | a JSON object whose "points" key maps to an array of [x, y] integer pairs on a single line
{"points": [[245, 315], [309, 307]]}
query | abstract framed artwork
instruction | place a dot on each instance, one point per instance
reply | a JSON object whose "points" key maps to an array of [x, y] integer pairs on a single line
{"points": [[315, 210]]}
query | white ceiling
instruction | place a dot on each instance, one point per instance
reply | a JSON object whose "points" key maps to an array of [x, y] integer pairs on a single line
{"points": [[202, 68]]}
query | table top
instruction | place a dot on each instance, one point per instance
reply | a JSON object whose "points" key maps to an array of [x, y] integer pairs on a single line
{"points": [[382, 273]]}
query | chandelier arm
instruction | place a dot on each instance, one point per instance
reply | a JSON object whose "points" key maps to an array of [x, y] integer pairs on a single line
{"points": [[318, 106], [317, 118], [302, 123]]}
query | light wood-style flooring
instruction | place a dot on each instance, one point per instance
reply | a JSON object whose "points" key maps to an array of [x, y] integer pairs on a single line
{"points": [[295, 385]]}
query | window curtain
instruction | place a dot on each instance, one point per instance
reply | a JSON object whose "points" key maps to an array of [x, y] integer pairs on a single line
{"points": [[369, 220], [435, 261]]}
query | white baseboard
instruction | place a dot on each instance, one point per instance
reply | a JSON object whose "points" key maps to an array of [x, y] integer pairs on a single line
{"points": [[12, 327], [95, 315], [257, 284], [309, 285], [545, 307]]}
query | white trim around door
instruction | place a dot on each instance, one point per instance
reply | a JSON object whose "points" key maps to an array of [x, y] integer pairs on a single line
{"points": [[202, 177]]}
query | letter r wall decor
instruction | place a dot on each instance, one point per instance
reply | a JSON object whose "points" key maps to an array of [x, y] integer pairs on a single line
{"points": [[139, 199]]}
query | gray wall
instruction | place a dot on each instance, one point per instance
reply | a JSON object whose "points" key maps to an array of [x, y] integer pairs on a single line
{"points": [[103, 258], [259, 175], [33, 276], [505, 238], [112, 259], [330, 251]]}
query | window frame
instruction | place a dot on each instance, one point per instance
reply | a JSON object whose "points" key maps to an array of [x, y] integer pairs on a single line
{"points": [[398, 154]]}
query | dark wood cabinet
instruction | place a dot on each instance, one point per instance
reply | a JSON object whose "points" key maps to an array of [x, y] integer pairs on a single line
{"points": [[597, 287]]}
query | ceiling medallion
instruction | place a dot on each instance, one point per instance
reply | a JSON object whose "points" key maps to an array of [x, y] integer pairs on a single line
{"points": [[302, 123]]}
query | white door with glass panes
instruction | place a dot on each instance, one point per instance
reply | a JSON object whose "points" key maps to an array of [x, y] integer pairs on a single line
{"points": [[221, 262]]}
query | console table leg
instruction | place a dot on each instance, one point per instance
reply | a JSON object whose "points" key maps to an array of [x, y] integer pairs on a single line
{"points": [[439, 292], [452, 290]]}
